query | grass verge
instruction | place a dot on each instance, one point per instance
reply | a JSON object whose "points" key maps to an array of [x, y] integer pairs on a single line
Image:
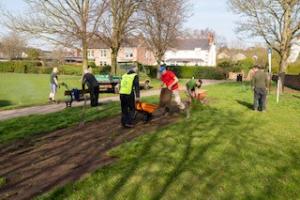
{"points": [[224, 151]]}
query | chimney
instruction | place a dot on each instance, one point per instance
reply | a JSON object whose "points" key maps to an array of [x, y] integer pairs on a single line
{"points": [[211, 38]]}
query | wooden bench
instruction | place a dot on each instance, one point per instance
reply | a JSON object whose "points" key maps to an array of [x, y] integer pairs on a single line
{"points": [[82, 93], [70, 100]]}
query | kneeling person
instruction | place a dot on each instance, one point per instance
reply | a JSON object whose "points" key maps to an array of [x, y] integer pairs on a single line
{"points": [[192, 86], [129, 94]]}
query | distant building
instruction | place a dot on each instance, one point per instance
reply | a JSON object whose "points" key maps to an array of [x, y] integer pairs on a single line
{"points": [[193, 52], [132, 50], [238, 57], [223, 55]]}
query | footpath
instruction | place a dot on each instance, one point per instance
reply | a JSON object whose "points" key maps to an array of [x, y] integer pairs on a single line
{"points": [[50, 108]]}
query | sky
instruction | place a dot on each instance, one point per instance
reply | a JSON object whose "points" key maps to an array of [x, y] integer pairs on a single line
{"points": [[212, 14]]}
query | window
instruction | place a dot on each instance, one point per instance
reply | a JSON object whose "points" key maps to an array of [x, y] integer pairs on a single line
{"points": [[128, 53], [90, 53], [103, 53]]}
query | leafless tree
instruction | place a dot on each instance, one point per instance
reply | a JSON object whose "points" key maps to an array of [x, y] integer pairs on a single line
{"points": [[59, 55], [276, 21], [66, 22], [118, 23], [13, 45], [161, 22], [197, 33]]}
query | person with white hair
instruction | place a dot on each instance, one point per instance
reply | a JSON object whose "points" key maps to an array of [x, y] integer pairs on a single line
{"points": [[93, 86], [129, 94], [53, 84]]}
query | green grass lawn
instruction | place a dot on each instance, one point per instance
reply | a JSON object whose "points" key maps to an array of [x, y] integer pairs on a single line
{"points": [[224, 151], [18, 90], [21, 90]]}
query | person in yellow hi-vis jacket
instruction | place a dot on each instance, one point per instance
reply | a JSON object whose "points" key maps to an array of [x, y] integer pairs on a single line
{"points": [[129, 94]]}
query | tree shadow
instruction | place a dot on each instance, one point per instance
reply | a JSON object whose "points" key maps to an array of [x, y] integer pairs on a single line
{"points": [[190, 155], [246, 104], [220, 127], [296, 96], [4, 103], [216, 154]]}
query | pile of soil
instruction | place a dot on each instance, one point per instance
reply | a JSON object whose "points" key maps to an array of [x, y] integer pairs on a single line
{"points": [[36, 166]]}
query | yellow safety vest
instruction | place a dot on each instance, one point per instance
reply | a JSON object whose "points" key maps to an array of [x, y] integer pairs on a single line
{"points": [[127, 83]]}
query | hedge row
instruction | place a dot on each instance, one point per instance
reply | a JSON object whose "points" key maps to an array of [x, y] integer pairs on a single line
{"points": [[20, 66], [199, 72], [180, 71], [35, 67], [187, 72]]}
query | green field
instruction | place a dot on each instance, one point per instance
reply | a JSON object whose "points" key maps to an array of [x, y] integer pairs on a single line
{"points": [[18, 90], [22, 90], [224, 151]]}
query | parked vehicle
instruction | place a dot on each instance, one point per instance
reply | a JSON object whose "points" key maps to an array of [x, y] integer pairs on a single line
{"points": [[111, 84], [145, 80]]}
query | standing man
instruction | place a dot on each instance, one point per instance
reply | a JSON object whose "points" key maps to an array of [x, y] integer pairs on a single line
{"points": [[129, 94], [259, 85], [93, 86], [171, 81], [53, 84], [252, 72]]}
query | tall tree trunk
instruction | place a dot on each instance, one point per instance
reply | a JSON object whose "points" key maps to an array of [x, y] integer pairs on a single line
{"points": [[84, 55], [85, 45], [159, 59], [282, 70], [114, 61], [284, 47]]}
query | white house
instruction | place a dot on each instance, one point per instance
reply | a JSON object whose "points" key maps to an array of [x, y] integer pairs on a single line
{"points": [[192, 52]]}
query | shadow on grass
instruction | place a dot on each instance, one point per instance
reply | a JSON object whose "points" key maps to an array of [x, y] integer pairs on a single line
{"points": [[296, 96], [246, 104], [4, 103], [216, 154]]}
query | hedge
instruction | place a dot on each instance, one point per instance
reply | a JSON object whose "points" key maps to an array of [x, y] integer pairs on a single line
{"points": [[198, 72], [20, 66], [180, 71], [35, 67]]}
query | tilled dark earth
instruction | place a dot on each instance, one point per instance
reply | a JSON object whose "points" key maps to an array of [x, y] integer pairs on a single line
{"points": [[36, 166]]}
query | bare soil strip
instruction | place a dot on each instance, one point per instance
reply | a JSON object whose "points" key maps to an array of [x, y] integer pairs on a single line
{"points": [[47, 161]]}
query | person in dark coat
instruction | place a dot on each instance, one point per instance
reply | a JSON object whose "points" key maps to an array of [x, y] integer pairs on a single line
{"points": [[260, 82], [93, 86]]}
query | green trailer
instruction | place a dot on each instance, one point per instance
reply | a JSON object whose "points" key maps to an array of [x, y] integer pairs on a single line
{"points": [[109, 83]]}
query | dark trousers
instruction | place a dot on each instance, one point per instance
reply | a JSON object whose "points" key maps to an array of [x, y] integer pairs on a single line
{"points": [[128, 108], [94, 95], [260, 96]]}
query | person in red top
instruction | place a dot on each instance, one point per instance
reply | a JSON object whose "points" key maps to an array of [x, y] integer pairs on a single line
{"points": [[171, 81]]}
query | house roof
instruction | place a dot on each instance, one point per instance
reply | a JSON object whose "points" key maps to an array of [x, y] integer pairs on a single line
{"points": [[191, 44], [130, 43]]}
